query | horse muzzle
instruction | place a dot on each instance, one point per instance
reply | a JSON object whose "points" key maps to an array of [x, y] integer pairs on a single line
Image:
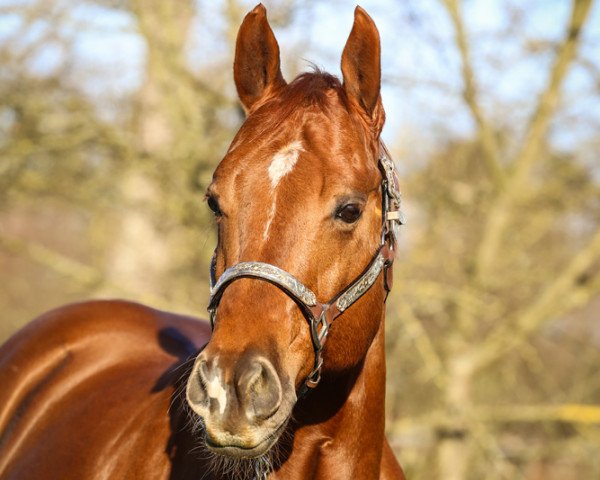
{"points": [[242, 403]]}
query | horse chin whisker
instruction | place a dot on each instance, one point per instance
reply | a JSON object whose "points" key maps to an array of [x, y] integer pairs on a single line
{"points": [[242, 468], [236, 468]]}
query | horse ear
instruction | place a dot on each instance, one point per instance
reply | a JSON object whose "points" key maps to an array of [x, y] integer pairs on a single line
{"points": [[256, 68], [361, 65]]}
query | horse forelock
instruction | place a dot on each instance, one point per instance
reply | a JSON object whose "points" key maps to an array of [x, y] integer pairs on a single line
{"points": [[308, 92]]}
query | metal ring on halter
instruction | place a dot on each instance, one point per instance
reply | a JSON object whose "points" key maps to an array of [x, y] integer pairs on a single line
{"points": [[314, 377], [318, 334]]}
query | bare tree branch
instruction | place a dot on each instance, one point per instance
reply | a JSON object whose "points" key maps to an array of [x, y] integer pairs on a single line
{"points": [[84, 275], [559, 296], [500, 213], [470, 95], [572, 413], [433, 366], [566, 413]]}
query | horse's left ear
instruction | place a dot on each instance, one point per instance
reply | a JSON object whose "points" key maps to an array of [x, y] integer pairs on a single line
{"points": [[361, 67]]}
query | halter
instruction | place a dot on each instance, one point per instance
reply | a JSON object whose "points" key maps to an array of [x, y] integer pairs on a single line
{"points": [[321, 315]]}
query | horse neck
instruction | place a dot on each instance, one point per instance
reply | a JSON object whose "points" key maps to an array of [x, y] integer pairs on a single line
{"points": [[342, 416]]}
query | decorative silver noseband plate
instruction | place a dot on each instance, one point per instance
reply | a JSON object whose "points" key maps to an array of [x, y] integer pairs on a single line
{"points": [[362, 285], [267, 272]]}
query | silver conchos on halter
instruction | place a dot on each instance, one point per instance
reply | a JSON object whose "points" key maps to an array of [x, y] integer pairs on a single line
{"points": [[322, 315], [364, 283], [270, 273]]}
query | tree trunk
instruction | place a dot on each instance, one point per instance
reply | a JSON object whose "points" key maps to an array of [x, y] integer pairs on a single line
{"points": [[454, 445], [166, 109]]}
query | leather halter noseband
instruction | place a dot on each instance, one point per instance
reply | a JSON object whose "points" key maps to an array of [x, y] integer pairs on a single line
{"points": [[321, 315]]}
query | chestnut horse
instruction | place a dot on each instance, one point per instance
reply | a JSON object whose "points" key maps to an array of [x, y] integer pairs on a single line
{"points": [[305, 201]]}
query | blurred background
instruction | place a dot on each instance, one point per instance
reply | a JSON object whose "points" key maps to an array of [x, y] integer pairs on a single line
{"points": [[114, 113]]}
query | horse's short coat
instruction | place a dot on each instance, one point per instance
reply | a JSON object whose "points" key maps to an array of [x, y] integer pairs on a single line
{"points": [[116, 390]]}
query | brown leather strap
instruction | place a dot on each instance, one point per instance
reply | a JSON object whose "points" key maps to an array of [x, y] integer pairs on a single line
{"points": [[388, 271]]}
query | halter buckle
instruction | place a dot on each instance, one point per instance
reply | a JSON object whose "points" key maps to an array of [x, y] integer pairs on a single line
{"points": [[391, 179], [392, 200]]}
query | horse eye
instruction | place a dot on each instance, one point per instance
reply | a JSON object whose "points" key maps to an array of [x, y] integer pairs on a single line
{"points": [[349, 213], [213, 204]]}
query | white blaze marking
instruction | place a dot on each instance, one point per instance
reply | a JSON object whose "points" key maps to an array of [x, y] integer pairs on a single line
{"points": [[269, 220], [283, 163], [216, 391]]}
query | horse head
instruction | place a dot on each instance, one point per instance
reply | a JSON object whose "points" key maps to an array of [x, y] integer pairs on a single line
{"points": [[298, 201]]}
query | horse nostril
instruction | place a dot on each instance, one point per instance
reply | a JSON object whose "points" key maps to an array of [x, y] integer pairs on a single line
{"points": [[260, 390], [196, 386]]}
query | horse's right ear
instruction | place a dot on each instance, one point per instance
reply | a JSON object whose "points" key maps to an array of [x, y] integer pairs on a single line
{"points": [[256, 68]]}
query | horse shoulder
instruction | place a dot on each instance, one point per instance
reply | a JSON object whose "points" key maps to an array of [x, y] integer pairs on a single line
{"points": [[96, 378]]}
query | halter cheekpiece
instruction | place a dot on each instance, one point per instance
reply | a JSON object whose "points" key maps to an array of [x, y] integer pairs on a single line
{"points": [[321, 315]]}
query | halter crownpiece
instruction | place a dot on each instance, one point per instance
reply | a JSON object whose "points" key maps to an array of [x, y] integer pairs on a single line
{"points": [[321, 315], [393, 216]]}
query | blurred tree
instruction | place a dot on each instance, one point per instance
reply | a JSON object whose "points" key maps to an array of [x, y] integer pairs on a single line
{"points": [[493, 329], [505, 248]]}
